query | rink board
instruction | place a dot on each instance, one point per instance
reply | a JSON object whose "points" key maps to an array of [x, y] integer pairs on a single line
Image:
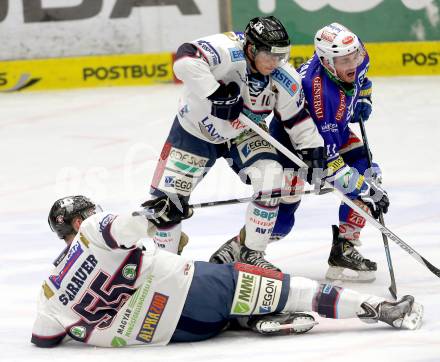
{"points": [[387, 59]]}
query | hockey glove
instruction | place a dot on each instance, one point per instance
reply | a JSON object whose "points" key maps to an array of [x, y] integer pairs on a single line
{"points": [[227, 102], [355, 186], [375, 197], [315, 158], [363, 104], [167, 211]]}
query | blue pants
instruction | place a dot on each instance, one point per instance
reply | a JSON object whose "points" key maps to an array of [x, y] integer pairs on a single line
{"points": [[186, 159], [208, 305], [354, 155]]}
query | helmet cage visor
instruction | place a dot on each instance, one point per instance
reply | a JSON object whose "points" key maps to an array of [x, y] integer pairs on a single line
{"points": [[279, 55]]}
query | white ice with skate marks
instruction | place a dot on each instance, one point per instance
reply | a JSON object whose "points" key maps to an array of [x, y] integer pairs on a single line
{"points": [[104, 143]]}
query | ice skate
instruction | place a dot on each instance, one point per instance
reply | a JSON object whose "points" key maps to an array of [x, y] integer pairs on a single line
{"points": [[282, 323], [403, 314], [346, 263], [229, 252], [255, 257]]}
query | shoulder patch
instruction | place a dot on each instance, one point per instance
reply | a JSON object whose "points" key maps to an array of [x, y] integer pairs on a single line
{"points": [[236, 54], [84, 240], [209, 52], [48, 293], [105, 221], [286, 81]]}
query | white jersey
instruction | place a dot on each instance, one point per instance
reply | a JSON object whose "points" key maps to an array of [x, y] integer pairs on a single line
{"points": [[107, 290], [220, 58]]}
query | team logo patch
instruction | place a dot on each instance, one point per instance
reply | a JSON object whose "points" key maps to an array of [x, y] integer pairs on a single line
{"points": [[129, 271], [78, 332], [73, 255], [152, 318]]}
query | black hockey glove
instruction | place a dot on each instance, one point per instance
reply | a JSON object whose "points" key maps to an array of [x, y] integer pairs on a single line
{"points": [[375, 198], [315, 158], [167, 211], [227, 102]]}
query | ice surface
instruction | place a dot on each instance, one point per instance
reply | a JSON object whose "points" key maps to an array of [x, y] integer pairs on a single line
{"points": [[104, 143]]}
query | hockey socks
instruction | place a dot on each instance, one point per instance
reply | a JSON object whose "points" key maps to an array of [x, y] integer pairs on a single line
{"points": [[331, 301], [260, 221], [168, 238]]}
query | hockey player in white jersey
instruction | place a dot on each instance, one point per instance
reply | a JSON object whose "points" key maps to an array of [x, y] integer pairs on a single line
{"points": [[107, 289], [225, 75]]}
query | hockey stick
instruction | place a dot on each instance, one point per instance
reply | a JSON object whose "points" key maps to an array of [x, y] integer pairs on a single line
{"points": [[261, 196], [393, 287], [382, 228]]}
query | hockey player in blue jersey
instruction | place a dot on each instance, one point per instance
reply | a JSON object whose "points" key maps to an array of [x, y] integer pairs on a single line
{"points": [[224, 75], [338, 92]]}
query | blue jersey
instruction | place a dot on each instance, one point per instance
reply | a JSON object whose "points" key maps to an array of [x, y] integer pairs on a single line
{"points": [[329, 104]]}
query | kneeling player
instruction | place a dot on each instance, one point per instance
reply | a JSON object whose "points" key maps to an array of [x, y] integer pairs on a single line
{"points": [[107, 290]]}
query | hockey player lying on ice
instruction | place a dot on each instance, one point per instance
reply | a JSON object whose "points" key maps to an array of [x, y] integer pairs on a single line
{"points": [[107, 289]]}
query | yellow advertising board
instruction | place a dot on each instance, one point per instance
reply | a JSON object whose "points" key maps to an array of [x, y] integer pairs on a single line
{"points": [[387, 59], [83, 72], [390, 59]]}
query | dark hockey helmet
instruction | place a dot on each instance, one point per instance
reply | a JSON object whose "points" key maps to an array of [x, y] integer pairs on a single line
{"points": [[266, 33], [64, 210]]}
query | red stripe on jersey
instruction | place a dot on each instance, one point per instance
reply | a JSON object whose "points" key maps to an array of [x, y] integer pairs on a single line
{"points": [[161, 164]]}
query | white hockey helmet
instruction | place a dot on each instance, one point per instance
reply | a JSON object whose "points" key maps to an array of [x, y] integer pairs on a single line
{"points": [[335, 40]]}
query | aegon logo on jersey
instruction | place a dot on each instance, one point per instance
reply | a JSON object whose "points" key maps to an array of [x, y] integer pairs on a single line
{"points": [[271, 295], [152, 319], [74, 253], [178, 184], [254, 146], [286, 81]]}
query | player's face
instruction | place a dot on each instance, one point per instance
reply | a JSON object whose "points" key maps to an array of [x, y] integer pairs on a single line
{"points": [[267, 62], [346, 65]]}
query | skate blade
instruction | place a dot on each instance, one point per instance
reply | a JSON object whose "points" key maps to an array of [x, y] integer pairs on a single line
{"points": [[413, 320], [349, 275], [303, 324], [300, 325]]}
